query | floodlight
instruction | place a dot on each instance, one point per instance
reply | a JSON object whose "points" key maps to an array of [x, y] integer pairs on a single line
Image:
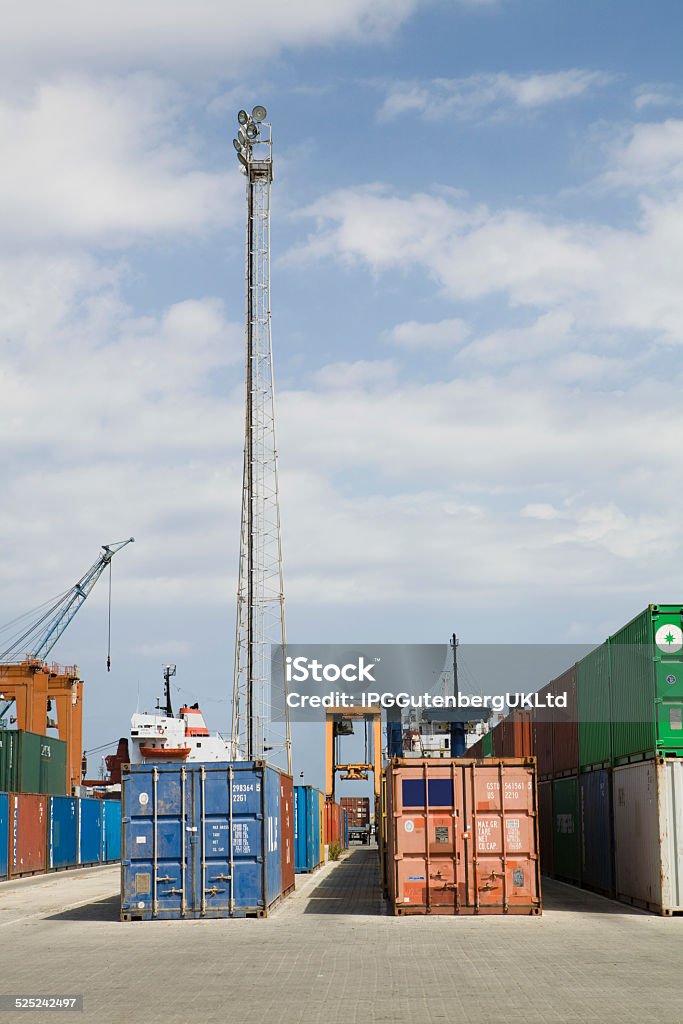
{"points": [[242, 137], [259, 113], [243, 117], [242, 159], [237, 145], [252, 130]]}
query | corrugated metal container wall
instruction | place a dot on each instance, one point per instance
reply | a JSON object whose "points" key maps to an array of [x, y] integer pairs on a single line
{"points": [[307, 845], [462, 837], [518, 738], [345, 827], [287, 831], [201, 840], [647, 677], [52, 766], [597, 831], [648, 829], [498, 739], [89, 831], [545, 827], [331, 822], [62, 832], [543, 736], [28, 834], [594, 708], [476, 750], [565, 739], [487, 744], [4, 833], [566, 824], [321, 819], [111, 830]]}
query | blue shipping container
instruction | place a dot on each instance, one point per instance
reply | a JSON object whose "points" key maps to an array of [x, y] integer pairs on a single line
{"points": [[597, 831], [4, 834], [62, 832], [111, 830], [200, 840], [307, 843], [89, 831]]}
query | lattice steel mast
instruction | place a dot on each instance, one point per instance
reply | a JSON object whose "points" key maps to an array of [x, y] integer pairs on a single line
{"points": [[260, 723]]}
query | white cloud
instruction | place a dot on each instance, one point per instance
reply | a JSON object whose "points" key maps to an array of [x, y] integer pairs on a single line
{"points": [[603, 277], [104, 161], [482, 95], [210, 36], [657, 96], [549, 333], [651, 156], [444, 335]]}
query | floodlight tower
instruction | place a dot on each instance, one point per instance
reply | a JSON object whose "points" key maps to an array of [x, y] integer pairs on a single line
{"points": [[260, 719]]}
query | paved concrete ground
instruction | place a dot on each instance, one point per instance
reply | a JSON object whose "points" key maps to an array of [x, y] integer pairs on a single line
{"points": [[330, 956]]}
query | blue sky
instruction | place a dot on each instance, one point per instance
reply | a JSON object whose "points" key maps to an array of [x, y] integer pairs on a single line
{"points": [[477, 241]]}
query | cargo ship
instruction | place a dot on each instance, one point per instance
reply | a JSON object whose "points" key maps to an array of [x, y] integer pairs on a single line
{"points": [[163, 736]]}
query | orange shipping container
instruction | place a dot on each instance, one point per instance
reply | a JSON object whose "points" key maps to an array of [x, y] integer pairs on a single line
{"points": [[332, 821], [463, 836], [27, 834], [517, 740]]}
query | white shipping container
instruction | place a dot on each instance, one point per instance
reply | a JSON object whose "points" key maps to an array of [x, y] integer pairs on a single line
{"points": [[648, 834]]}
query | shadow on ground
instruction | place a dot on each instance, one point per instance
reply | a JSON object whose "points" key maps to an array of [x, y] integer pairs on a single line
{"points": [[99, 910], [351, 888]]}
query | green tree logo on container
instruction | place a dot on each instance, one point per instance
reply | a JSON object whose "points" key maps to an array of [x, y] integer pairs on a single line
{"points": [[669, 638]]}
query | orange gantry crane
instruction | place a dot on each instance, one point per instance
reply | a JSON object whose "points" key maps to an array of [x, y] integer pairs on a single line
{"points": [[32, 685]]}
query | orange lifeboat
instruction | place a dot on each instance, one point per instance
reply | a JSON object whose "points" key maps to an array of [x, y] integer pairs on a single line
{"points": [[165, 753]]}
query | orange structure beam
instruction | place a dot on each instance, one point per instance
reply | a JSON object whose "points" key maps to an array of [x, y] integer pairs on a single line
{"points": [[371, 712], [30, 684]]}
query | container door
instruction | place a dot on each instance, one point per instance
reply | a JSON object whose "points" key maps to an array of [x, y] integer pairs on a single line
{"points": [[597, 831], [157, 840], [428, 839], [228, 877], [566, 824], [62, 831], [89, 831], [505, 873], [111, 830], [4, 833]]}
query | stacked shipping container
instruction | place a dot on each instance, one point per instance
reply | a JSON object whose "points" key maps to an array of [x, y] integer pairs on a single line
{"points": [[39, 833], [30, 763], [608, 764]]}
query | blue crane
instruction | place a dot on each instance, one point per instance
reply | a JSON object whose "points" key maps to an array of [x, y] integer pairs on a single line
{"points": [[41, 634]]}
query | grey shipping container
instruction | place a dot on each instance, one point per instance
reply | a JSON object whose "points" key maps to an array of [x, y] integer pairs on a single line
{"points": [[648, 831]]}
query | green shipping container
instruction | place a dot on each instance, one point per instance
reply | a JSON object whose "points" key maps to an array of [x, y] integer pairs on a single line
{"points": [[566, 835], [646, 670], [593, 707], [30, 763], [487, 744]]}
